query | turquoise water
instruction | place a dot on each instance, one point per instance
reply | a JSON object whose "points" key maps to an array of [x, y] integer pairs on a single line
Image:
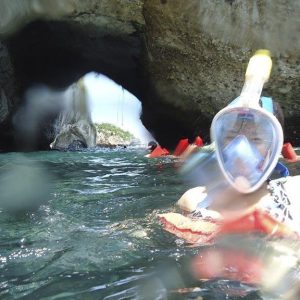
{"points": [[92, 230]]}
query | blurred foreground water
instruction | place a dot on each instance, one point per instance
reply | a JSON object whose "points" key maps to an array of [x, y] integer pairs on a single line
{"points": [[83, 225]]}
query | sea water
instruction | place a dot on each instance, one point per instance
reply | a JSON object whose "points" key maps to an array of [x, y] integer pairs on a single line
{"points": [[92, 230]]}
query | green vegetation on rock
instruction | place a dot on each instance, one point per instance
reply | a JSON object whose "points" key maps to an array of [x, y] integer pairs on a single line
{"points": [[108, 129]]}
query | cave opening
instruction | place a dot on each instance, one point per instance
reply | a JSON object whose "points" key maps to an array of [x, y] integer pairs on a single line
{"points": [[101, 101], [53, 55], [58, 53]]}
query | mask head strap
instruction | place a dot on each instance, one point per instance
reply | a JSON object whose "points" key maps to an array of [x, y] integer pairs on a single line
{"points": [[267, 104]]}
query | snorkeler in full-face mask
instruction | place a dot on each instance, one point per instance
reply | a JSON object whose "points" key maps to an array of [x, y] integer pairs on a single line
{"points": [[237, 196], [235, 179], [248, 138]]}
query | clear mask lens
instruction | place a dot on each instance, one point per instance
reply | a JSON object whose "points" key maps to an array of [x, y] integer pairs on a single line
{"points": [[242, 162], [248, 143]]}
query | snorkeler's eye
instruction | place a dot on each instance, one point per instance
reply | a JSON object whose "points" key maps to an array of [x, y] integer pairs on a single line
{"points": [[230, 137], [257, 140], [227, 140]]}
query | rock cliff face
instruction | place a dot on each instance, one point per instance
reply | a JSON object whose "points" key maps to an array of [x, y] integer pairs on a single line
{"points": [[184, 60]]}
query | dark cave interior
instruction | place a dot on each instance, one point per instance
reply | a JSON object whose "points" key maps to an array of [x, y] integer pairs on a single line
{"points": [[57, 54]]}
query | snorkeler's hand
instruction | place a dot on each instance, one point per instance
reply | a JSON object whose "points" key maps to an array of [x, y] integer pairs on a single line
{"points": [[191, 198]]}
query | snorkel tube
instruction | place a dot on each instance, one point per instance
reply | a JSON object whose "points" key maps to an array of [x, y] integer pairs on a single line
{"points": [[257, 74], [232, 156]]}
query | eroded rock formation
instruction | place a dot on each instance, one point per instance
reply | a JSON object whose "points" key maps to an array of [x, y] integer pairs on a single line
{"points": [[74, 127], [183, 59]]}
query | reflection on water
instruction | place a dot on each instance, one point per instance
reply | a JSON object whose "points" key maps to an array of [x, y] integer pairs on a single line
{"points": [[96, 236]]}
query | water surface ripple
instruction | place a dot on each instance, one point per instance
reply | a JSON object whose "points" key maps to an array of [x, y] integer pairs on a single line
{"points": [[97, 236]]}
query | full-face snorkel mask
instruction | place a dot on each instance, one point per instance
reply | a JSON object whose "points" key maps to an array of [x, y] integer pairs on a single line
{"points": [[248, 139]]}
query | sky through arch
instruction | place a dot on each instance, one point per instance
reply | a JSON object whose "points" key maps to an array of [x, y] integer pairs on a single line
{"points": [[111, 103]]}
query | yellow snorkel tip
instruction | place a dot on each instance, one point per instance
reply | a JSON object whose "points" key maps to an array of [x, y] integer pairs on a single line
{"points": [[260, 65]]}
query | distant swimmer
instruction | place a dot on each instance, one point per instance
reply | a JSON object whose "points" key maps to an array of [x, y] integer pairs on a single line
{"points": [[289, 154], [156, 150]]}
